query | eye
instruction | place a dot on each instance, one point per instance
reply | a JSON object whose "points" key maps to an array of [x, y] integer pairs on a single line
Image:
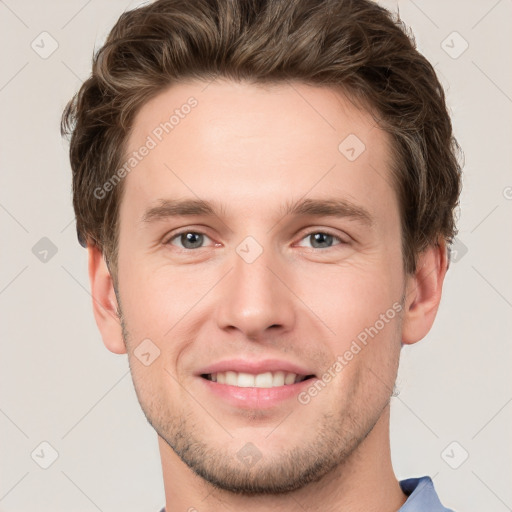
{"points": [[322, 240], [188, 239]]}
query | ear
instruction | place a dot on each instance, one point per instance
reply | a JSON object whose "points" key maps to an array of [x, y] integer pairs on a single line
{"points": [[104, 302], [423, 292]]}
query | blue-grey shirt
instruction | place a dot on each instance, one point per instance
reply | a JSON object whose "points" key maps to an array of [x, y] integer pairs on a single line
{"points": [[422, 496]]}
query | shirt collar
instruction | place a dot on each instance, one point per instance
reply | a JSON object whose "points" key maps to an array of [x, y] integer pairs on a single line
{"points": [[422, 496]]}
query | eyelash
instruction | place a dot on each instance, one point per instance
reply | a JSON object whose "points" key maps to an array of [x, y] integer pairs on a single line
{"points": [[177, 235]]}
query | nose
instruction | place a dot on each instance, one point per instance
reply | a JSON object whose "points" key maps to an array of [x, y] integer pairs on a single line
{"points": [[256, 297]]}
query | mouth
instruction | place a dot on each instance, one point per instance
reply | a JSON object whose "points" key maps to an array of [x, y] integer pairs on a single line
{"points": [[260, 380], [251, 384]]}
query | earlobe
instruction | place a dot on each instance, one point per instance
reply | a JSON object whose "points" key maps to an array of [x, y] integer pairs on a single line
{"points": [[423, 293], [104, 302]]}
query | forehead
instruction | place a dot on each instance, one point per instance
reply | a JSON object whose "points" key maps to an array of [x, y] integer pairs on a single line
{"points": [[249, 145]]}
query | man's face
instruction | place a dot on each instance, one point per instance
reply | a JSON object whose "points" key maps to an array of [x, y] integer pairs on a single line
{"points": [[252, 289]]}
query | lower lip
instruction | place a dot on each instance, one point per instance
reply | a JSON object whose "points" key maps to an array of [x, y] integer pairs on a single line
{"points": [[256, 398]]}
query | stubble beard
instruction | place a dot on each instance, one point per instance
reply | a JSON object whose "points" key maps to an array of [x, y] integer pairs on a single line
{"points": [[323, 451]]}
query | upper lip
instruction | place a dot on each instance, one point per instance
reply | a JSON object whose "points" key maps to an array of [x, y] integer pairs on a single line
{"points": [[254, 367]]}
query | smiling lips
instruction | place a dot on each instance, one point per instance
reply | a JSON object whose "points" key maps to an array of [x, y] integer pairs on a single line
{"points": [[253, 374], [249, 385], [261, 380]]}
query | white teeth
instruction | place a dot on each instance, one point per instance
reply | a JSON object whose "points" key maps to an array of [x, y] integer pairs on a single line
{"points": [[262, 380], [231, 378], [278, 379], [245, 380], [290, 378]]}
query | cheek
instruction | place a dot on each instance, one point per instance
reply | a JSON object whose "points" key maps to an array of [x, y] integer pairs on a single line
{"points": [[154, 300], [350, 297]]}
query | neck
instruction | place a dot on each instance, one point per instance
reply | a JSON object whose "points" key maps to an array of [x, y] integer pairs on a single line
{"points": [[364, 482]]}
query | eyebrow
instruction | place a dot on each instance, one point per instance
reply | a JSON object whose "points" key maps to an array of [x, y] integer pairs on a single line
{"points": [[330, 207], [180, 208]]}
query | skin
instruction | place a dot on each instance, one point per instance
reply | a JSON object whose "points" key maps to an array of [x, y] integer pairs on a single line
{"points": [[254, 149]]}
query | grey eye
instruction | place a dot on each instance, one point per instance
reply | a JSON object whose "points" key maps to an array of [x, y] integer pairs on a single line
{"points": [[321, 240], [189, 240]]}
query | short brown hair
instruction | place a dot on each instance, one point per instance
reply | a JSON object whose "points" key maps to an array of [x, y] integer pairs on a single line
{"points": [[354, 45]]}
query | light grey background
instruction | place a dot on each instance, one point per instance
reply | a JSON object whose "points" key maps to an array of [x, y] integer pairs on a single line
{"points": [[60, 385]]}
